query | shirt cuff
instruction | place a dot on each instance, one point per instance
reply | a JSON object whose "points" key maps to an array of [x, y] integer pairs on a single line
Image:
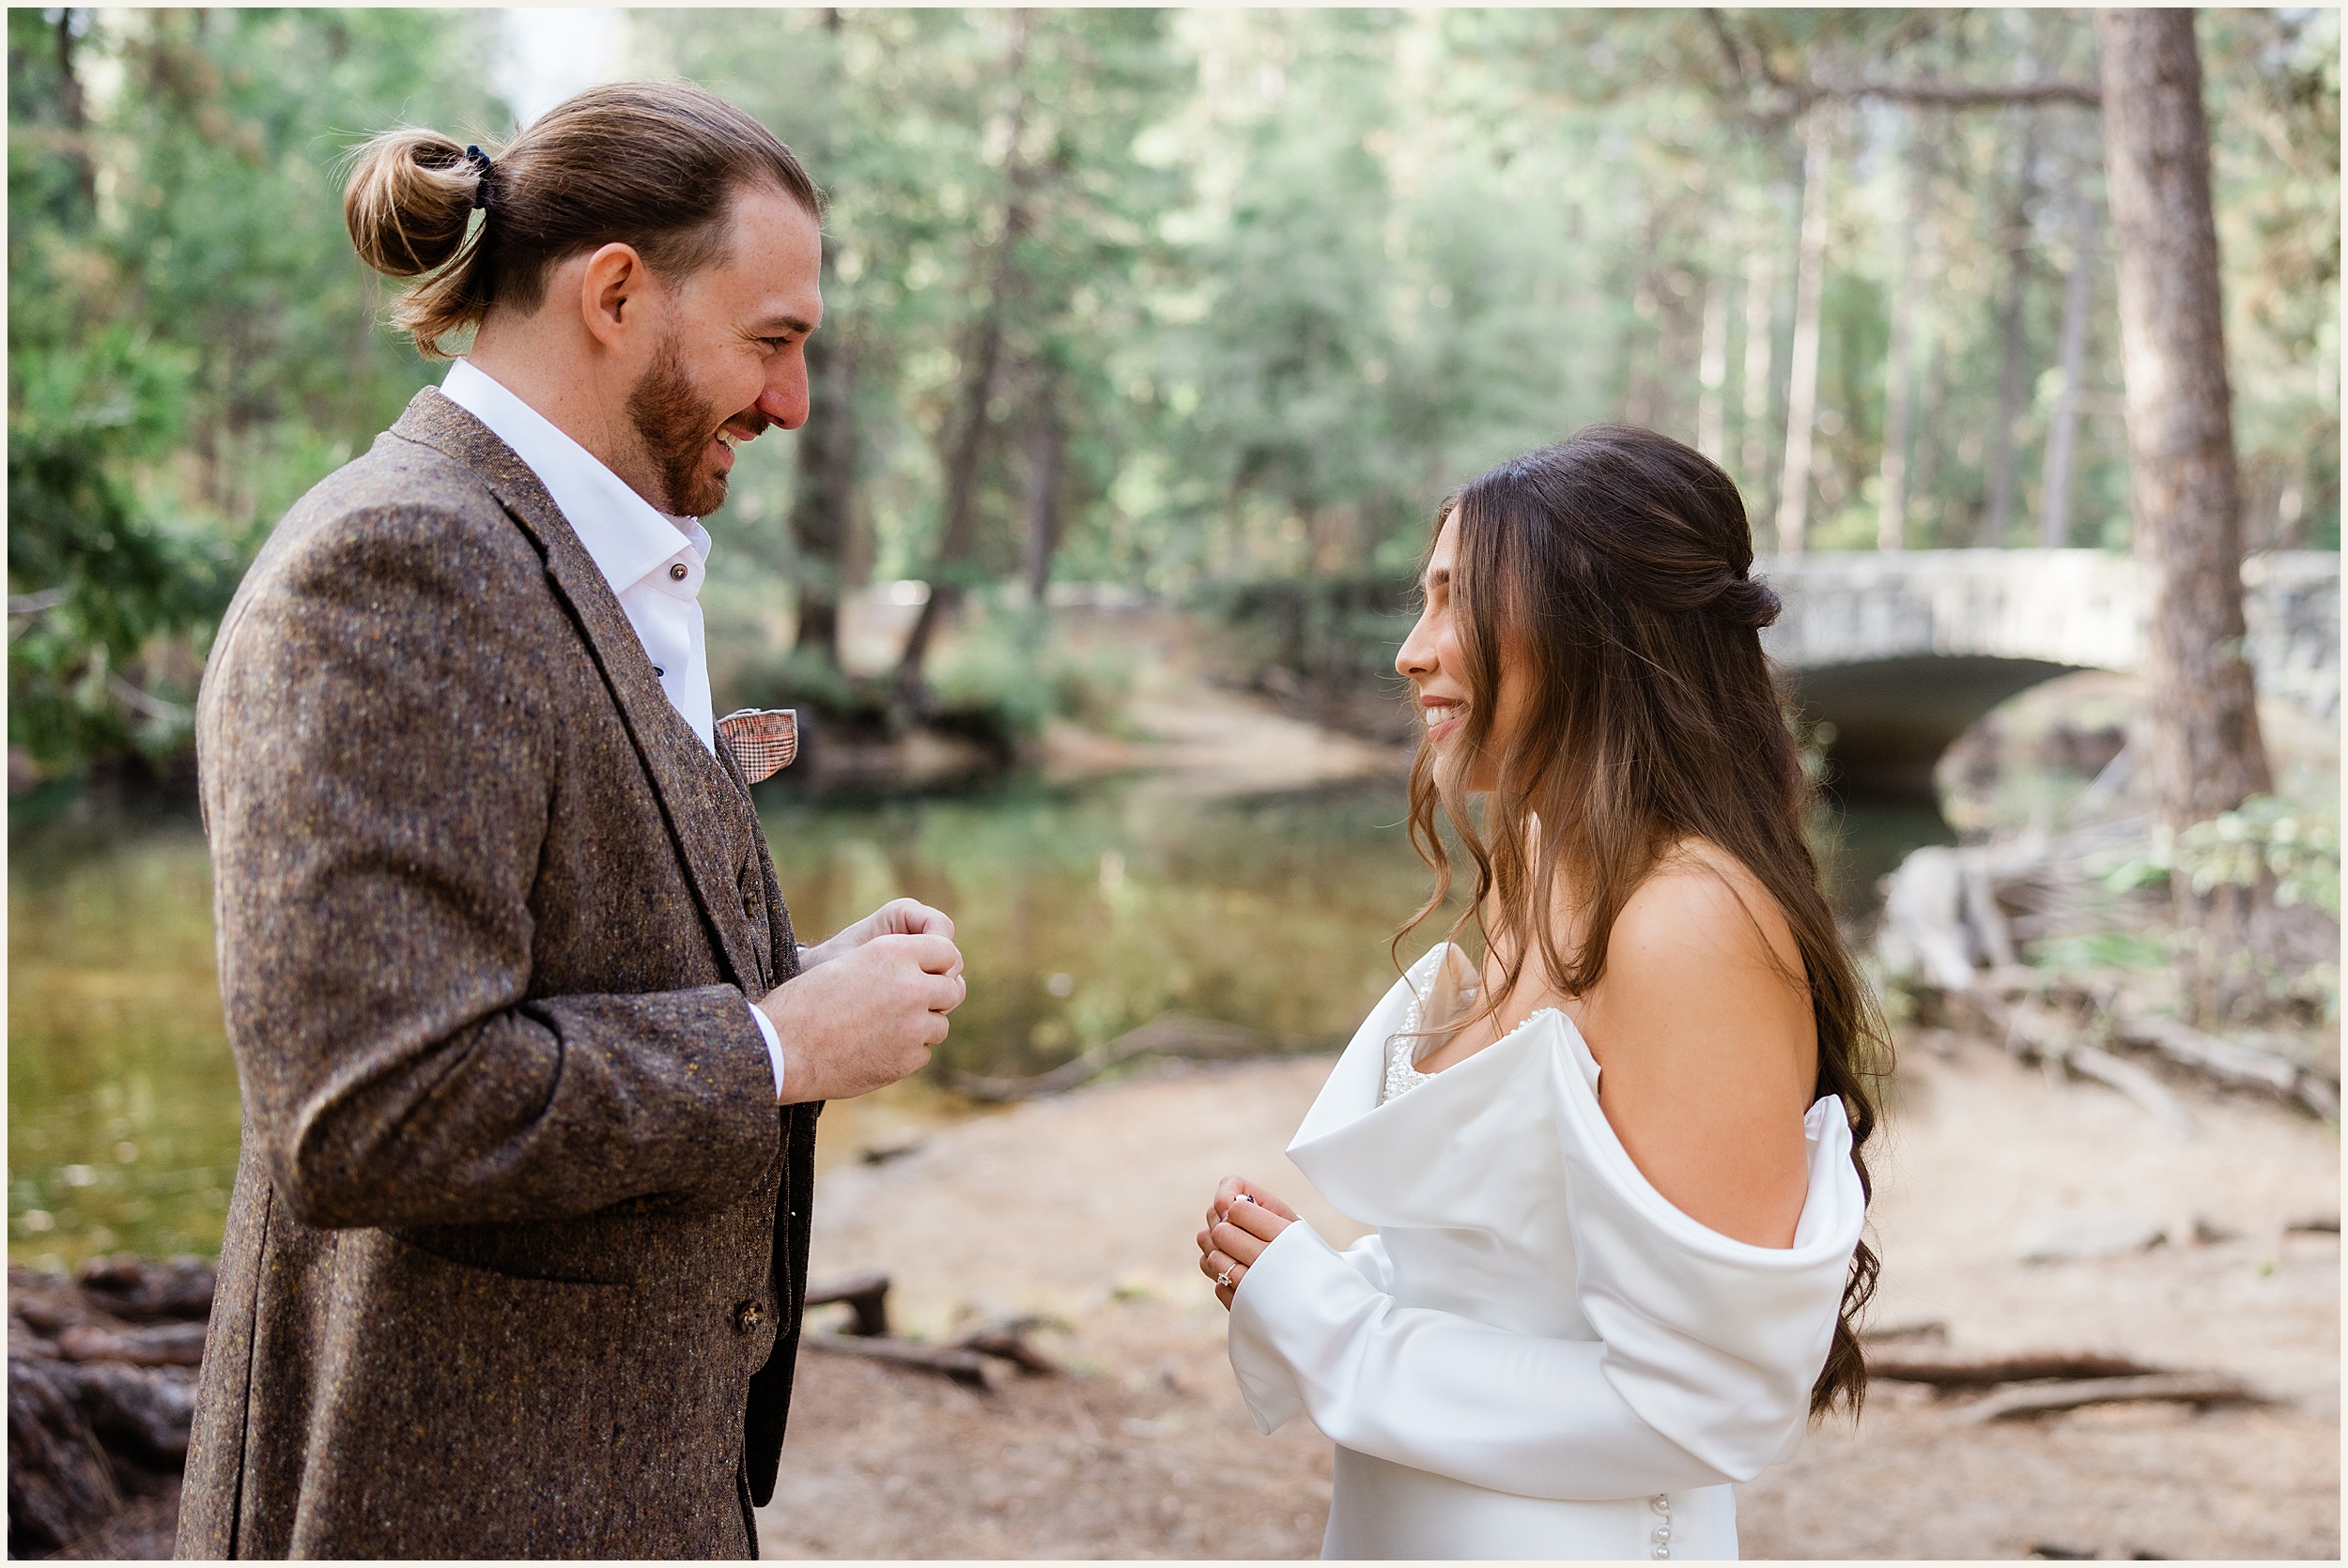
{"points": [[774, 1044]]}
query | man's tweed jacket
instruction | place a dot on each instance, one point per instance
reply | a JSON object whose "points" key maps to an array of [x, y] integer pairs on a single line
{"points": [[515, 1256]]}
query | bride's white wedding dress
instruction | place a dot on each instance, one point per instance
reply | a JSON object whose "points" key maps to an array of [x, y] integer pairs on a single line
{"points": [[1535, 1355]]}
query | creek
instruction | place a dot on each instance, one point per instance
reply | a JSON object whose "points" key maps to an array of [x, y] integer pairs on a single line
{"points": [[1083, 912]]}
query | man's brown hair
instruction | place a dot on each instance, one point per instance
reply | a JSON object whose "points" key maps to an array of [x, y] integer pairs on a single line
{"points": [[652, 164]]}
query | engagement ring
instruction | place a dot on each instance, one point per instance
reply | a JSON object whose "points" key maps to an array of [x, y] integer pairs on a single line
{"points": [[1224, 1278]]}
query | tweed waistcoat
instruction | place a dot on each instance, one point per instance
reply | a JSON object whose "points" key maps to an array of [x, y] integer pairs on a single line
{"points": [[516, 1254]]}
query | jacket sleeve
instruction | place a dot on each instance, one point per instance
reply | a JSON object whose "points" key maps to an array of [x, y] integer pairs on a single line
{"points": [[378, 755], [1700, 1373]]}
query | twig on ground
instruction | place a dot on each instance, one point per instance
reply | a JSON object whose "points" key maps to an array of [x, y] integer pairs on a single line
{"points": [[967, 1367], [2036, 1399], [1982, 1372]]}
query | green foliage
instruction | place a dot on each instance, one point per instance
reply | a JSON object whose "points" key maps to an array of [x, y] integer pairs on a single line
{"points": [[1266, 285], [191, 342], [2263, 840], [115, 580], [1009, 674]]}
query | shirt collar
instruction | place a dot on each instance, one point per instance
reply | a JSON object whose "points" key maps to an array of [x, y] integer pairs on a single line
{"points": [[625, 534]]}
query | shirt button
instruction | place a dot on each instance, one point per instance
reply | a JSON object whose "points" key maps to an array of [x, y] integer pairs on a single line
{"points": [[679, 571], [748, 1316]]}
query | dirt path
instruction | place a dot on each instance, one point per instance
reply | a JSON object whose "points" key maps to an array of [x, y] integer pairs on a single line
{"points": [[1081, 1208]]}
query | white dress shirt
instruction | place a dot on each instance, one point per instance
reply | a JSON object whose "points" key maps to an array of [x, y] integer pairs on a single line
{"points": [[654, 563]]}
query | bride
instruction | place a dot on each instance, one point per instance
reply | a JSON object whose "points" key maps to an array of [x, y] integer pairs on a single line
{"points": [[1615, 1165]]}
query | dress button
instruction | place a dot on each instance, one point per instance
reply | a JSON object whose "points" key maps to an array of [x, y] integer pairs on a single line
{"points": [[747, 1316], [679, 571]]}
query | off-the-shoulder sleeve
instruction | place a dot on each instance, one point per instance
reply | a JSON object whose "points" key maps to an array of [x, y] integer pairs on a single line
{"points": [[1701, 1372], [1712, 1341], [1311, 1335]]}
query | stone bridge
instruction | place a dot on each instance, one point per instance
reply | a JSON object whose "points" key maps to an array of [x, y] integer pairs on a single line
{"points": [[1901, 651]]}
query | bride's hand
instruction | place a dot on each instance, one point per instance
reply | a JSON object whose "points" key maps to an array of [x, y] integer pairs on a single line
{"points": [[1241, 1222]]}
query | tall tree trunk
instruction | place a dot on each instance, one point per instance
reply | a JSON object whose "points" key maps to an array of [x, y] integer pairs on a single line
{"points": [[1713, 372], [2206, 754], [1753, 455], [2062, 441], [1801, 392], [982, 379], [1924, 493], [824, 501], [1898, 378], [1044, 469], [825, 497], [74, 106], [2206, 750], [2011, 345]]}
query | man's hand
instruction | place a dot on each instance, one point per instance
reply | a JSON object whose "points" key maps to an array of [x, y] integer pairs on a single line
{"points": [[868, 1016], [897, 917], [1242, 1222]]}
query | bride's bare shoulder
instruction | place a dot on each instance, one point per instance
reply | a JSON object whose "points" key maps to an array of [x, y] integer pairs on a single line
{"points": [[1702, 905]]}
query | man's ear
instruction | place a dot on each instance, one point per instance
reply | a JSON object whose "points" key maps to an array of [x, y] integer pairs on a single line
{"points": [[612, 294]]}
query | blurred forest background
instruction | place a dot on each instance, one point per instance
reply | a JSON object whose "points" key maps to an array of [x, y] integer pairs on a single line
{"points": [[1212, 306]]}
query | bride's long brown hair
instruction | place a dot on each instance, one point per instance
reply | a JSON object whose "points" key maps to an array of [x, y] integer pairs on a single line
{"points": [[1617, 566]]}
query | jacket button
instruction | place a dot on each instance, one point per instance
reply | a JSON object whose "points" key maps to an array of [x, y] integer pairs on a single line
{"points": [[747, 1316]]}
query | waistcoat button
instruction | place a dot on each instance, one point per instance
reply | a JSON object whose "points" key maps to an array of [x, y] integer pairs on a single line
{"points": [[747, 1316]]}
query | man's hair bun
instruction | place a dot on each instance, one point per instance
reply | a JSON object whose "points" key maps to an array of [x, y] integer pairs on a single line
{"points": [[409, 201]]}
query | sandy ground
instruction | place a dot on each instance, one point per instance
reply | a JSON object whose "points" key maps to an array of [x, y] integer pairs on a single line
{"points": [[1082, 1209]]}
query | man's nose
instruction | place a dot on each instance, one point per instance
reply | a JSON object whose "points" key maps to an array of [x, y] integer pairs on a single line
{"points": [[784, 398]]}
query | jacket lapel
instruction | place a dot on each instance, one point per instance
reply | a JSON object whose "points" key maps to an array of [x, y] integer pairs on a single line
{"points": [[682, 775]]}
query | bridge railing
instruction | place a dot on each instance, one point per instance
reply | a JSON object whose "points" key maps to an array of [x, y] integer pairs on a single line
{"points": [[2085, 608]]}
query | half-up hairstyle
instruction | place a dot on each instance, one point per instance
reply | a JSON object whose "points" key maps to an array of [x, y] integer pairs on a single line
{"points": [[1617, 566], [652, 164]]}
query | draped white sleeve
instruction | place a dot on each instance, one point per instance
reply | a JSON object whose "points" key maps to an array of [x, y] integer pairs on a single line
{"points": [[1436, 1390], [1703, 1350]]}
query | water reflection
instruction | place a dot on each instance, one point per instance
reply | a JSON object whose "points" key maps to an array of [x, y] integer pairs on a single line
{"points": [[1082, 913]]}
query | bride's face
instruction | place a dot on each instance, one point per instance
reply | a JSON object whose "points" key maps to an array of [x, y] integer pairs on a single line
{"points": [[1434, 663]]}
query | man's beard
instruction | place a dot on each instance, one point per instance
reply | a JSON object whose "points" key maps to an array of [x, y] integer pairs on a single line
{"points": [[677, 426]]}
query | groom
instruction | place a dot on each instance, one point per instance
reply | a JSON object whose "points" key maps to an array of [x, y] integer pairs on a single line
{"points": [[531, 1062]]}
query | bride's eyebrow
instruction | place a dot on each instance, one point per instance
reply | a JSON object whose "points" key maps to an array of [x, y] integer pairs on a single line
{"points": [[1439, 576]]}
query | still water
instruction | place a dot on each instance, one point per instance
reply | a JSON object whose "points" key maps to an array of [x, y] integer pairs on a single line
{"points": [[1082, 913]]}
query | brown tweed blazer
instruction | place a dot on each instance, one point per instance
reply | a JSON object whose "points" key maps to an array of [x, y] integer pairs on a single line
{"points": [[518, 1246]]}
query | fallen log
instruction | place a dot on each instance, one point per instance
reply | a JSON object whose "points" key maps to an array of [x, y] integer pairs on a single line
{"points": [[142, 1290], [2238, 1065], [866, 1296], [1166, 1034], [1008, 1340], [2038, 1399], [1983, 1372], [143, 1414], [162, 1345], [60, 1486], [2134, 1082]]}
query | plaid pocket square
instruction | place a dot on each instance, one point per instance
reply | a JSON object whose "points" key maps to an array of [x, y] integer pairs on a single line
{"points": [[764, 739]]}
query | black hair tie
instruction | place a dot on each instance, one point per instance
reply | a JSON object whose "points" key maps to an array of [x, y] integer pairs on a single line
{"points": [[483, 168]]}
